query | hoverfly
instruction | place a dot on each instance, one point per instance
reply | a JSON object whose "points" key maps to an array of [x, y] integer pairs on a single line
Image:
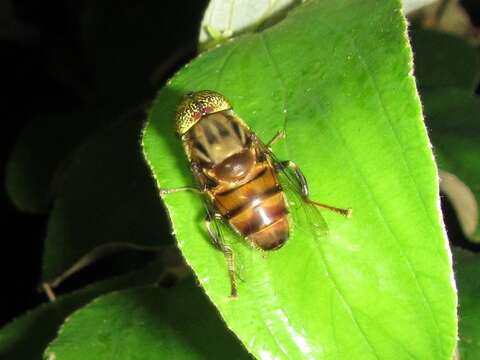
{"points": [[238, 175]]}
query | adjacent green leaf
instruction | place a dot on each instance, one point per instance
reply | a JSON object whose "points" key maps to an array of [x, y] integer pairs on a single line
{"points": [[467, 273], [336, 76], [452, 117], [444, 60], [27, 336], [148, 323], [108, 201], [36, 165]]}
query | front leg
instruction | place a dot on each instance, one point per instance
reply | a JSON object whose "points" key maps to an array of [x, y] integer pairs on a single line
{"points": [[197, 171], [280, 135]]}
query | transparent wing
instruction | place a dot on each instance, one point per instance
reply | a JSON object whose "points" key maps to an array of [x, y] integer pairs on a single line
{"points": [[217, 229], [216, 226], [306, 216]]}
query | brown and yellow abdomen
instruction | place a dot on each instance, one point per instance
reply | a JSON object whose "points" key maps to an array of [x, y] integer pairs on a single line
{"points": [[257, 209]]}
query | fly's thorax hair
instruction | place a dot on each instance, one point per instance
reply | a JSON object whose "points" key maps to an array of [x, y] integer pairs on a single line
{"points": [[215, 138]]}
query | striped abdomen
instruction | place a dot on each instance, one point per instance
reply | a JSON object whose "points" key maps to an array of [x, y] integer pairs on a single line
{"points": [[239, 179], [257, 209]]}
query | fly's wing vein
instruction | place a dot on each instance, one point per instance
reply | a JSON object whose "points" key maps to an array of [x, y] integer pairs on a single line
{"points": [[306, 217]]}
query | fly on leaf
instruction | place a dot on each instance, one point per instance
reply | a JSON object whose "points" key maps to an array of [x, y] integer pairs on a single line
{"points": [[242, 181]]}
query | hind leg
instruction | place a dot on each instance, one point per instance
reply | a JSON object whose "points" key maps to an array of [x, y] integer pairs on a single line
{"points": [[217, 241], [302, 181]]}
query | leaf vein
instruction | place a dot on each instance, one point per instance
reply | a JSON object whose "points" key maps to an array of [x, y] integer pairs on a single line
{"points": [[272, 61], [397, 140]]}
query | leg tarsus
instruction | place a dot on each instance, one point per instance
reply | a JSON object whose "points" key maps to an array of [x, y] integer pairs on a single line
{"points": [[344, 212], [304, 190]]}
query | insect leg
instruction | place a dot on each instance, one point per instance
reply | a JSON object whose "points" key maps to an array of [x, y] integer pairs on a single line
{"points": [[278, 136], [227, 251], [304, 190], [181, 188]]}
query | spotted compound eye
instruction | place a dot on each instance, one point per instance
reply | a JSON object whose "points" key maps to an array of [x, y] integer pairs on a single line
{"points": [[196, 105]]}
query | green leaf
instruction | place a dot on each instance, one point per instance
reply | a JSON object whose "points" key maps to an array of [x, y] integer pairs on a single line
{"points": [[148, 323], [452, 117], [467, 273], [27, 336], [108, 202], [336, 77], [444, 60]]}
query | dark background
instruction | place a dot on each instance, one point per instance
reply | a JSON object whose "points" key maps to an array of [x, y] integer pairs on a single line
{"points": [[68, 56], [72, 56]]}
